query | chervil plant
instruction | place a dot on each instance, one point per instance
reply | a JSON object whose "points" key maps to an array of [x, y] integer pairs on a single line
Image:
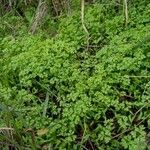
{"points": [[66, 93]]}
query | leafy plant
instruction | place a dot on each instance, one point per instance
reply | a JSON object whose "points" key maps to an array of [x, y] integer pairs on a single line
{"points": [[62, 93]]}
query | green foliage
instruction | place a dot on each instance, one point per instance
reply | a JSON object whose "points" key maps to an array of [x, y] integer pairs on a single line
{"points": [[71, 97]]}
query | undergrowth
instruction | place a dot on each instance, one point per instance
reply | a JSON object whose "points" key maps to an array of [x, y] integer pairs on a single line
{"points": [[57, 93]]}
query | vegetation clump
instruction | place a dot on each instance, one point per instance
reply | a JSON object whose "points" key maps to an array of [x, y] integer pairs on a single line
{"points": [[61, 88]]}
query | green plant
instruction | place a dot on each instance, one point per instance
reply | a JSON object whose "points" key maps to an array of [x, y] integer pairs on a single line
{"points": [[71, 97]]}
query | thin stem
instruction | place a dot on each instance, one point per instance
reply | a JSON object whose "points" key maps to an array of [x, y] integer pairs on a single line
{"points": [[83, 23], [126, 12]]}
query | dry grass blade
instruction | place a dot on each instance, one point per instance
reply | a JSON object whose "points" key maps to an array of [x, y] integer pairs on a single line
{"points": [[40, 14], [6, 131], [6, 128], [126, 12], [7, 136], [83, 23]]}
